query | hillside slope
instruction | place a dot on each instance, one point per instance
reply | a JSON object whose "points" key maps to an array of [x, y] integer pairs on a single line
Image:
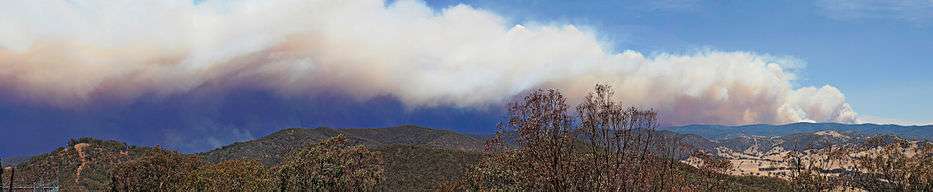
{"points": [[418, 168], [83, 165], [416, 158], [272, 148]]}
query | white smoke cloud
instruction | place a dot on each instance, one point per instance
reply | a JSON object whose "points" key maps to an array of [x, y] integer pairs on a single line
{"points": [[68, 52]]}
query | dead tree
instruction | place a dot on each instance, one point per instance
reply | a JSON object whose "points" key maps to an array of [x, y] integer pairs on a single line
{"points": [[605, 147], [622, 142]]}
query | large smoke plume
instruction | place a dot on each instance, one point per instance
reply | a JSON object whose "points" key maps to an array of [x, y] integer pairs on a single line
{"points": [[75, 53]]}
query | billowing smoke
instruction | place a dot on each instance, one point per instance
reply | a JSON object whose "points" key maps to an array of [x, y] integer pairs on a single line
{"points": [[72, 53]]}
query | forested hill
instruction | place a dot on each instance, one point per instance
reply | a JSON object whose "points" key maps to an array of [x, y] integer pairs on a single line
{"points": [[271, 148]]}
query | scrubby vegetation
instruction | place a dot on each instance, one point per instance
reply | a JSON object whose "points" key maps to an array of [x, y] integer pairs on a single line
{"points": [[331, 165], [233, 175], [161, 171], [880, 164], [270, 150], [94, 165], [423, 168], [544, 144]]}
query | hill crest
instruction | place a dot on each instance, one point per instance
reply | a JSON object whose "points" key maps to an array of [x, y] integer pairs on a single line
{"points": [[273, 147]]}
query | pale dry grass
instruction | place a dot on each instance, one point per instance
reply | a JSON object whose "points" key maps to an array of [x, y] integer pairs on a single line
{"points": [[774, 162]]}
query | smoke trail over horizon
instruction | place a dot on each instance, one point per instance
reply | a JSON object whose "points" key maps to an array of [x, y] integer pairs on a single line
{"points": [[73, 54]]}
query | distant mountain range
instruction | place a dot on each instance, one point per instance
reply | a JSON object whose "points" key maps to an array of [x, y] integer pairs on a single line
{"points": [[723, 132]]}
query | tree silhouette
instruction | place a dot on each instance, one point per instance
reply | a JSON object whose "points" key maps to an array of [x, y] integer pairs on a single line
{"points": [[605, 147]]}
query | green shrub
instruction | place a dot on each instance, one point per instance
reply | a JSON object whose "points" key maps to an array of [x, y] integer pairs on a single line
{"points": [[156, 171], [331, 165], [233, 175]]}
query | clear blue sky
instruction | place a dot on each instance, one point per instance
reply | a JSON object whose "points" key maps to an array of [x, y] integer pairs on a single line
{"points": [[879, 53]]}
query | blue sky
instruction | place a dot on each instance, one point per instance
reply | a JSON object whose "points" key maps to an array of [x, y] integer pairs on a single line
{"points": [[879, 53]]}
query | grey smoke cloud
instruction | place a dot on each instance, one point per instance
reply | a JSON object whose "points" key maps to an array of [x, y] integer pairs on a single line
{"points": [[67, 53]]}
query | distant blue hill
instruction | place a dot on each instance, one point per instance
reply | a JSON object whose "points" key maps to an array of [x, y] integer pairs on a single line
{"points": [[722, 132]]}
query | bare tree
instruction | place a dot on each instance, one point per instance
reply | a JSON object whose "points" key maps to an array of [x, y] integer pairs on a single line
{"points": [[605, 147], [623, 147]]}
